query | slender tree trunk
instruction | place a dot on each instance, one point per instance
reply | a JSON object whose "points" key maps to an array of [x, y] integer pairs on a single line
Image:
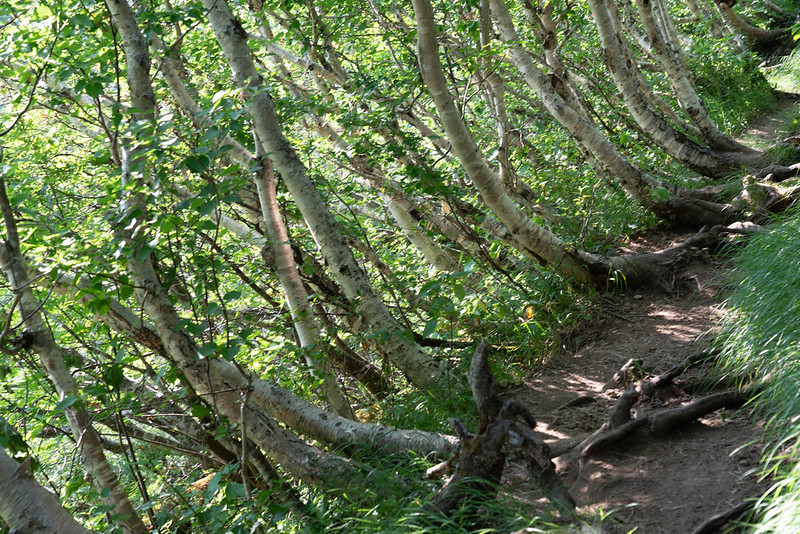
{"points": [[774, 38], [616, 57], [51, 357], [538, 242], [665, 46], [679, 206], [164, 338], [289, 279]]}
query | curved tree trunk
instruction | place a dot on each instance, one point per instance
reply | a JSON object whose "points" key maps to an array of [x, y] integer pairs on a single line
{"points": [[539, 243], [220, 383], [299, 415], [616, 57], [679, 206], [665, 46], [770, 38], [168, 66]]}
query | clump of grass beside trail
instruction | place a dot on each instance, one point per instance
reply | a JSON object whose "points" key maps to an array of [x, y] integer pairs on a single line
{"points": [[762, 342]]}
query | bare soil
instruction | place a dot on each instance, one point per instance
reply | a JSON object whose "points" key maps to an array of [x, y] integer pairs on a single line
{"points": [[668, 484]]}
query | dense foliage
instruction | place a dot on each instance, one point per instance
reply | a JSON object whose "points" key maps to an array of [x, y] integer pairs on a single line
{"points": [[102, 188]]}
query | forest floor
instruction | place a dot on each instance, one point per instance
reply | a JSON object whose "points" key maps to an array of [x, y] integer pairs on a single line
{"points": [[651, 485], [668, 484]]}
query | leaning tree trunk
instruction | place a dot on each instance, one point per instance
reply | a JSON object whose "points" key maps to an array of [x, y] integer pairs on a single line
{"points": [[51, 357], [218, 382], [168, 66], [420, 368], [286, 270], [301, 416], [537, 242], [678, 206], [616, 56], [665, 46], [769, 38]]}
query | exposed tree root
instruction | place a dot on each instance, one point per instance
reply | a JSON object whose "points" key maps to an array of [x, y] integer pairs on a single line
{"points": [[505, 429], [649, 269], [620, 425]]}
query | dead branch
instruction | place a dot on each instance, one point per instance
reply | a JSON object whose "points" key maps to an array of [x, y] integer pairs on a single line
{"points": [[665, 420], [625, 374], [658, 423], [715, 524], [504, 429]]}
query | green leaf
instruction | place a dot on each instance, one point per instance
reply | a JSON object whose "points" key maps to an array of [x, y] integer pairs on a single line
{"points": [[660, 194], [213, 309], [430, 287], [65, 403], [145, 252], [113, 376], [208, 349], [43, 12], [430, 327], [232, 295], [197, 164], [459, 291], [82, 20], [229, 353], [207, 207], [213, 486], [200, 410], [94, 89], [73, 484]]}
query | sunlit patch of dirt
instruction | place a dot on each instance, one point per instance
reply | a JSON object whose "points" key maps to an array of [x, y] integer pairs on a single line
{"points": [[667, 484]]}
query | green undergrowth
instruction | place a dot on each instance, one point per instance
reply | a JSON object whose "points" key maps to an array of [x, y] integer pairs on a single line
{"points": [[761, 335], [786, 75]]}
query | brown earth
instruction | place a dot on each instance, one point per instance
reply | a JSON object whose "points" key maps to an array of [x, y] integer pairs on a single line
{"points": [[651, 485], [668, 484]]}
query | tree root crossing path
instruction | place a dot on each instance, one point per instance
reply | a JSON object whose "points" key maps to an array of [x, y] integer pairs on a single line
{"points": [[630, 421]]}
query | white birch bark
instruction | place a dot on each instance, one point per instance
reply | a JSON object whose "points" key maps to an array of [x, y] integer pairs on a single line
{"points": [[397, 203], [27, 507], [682, 208], [214, 374], [419, 367], [753, 33], [662, 41], [296, 297], [616, 57], [51, 356], [637, 183], [303, 317]]}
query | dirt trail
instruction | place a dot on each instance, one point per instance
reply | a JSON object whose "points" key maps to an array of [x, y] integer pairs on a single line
{"points": [[668, 484], [652, 485]]}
